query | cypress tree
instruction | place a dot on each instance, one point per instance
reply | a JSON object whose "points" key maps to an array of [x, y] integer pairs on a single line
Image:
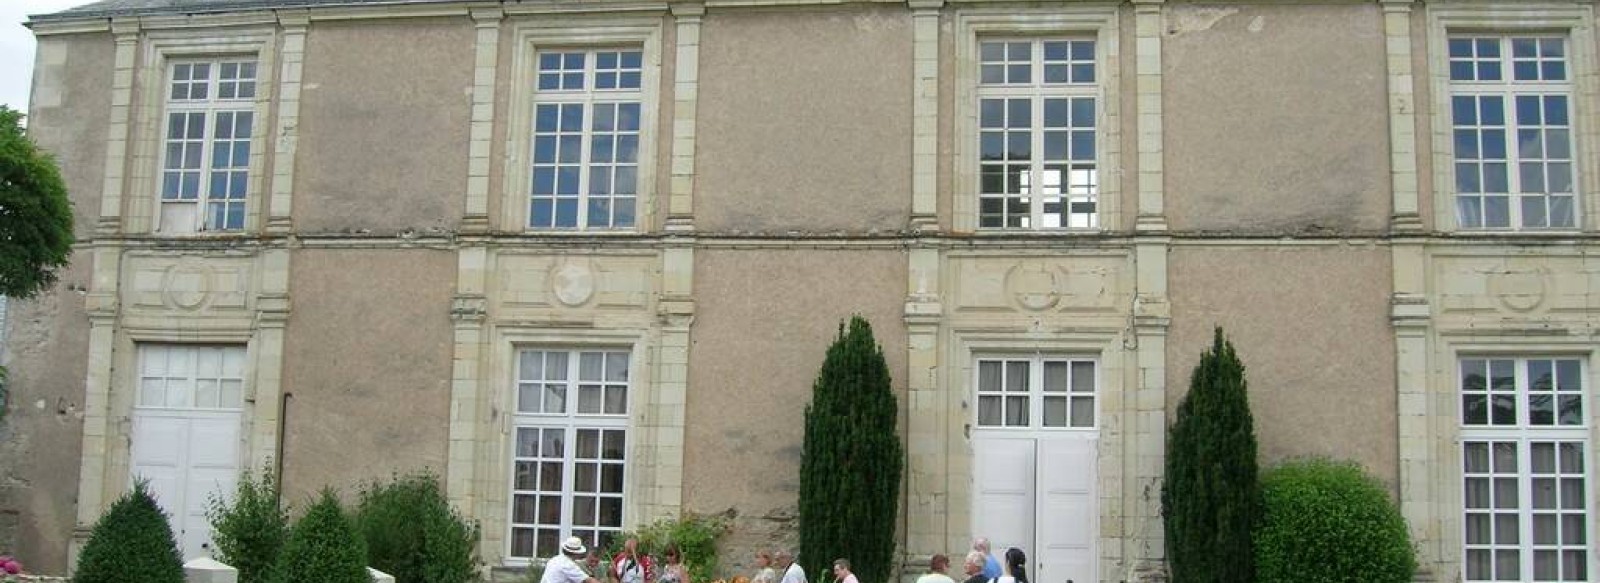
{"points": [[851, 463], [1211, 499], [323, 547], [132, 543]]}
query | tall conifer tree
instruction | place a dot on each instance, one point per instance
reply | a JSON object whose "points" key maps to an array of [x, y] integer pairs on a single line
{"points": [[852, 460], [1211, 499]]}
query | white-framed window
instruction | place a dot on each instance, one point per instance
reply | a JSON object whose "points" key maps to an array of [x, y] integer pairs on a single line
{"points": [[207, 131], [1525, 457], [1037, 133], [1035, 392], [586, 139], [570, 448], [1511, 112], [182, 376]]}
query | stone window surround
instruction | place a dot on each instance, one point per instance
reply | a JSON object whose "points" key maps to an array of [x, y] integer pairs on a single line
{"points": [[149, 105], [967, 345], [1577, 22], [494, 465], [531, 36], [1453, 345], [973, 23]]}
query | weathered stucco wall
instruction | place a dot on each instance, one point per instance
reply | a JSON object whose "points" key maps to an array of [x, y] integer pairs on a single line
{"points": [[385, 115], [367, 357], [763, 322], [1311, 325], [70, 114], [41, 435], [1276, 118], [804, 121]]}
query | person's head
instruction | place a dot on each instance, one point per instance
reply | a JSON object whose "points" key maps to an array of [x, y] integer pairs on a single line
{"points": [[981, 545], [974, 563], [939, 564], [841, 568], [784, 558], [573, 548], [1015, 564], [630, 547], [763, 559], [592, 560], [672, 555]]}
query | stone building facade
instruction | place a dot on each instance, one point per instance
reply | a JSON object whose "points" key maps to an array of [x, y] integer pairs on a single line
{"points": [[583, 259]]}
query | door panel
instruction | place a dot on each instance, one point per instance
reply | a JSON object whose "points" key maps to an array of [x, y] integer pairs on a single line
{"points": [[1003, 484], [187, 456], [1068, 512]]}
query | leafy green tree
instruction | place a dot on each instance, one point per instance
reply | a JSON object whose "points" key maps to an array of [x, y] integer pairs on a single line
{"points": [[249, 531], [851, 463], [323, 547], [1211, 499], [412, 533], [132, 543], [1327, 521], [35, 216]]}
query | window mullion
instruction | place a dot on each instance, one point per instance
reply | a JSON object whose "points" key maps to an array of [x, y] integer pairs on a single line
{"points": [[1036, 392], [1036, 161]]}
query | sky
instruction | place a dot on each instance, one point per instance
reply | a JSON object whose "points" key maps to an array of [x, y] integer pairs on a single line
{"points": [[16, 47]]}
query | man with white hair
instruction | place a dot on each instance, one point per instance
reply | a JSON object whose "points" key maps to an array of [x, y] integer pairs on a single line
{"points": [[991, 565], [563, 568], [973, 567], [792, 572]]}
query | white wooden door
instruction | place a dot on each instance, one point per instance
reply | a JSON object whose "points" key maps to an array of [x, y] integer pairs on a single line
{"points": [[1038, 493], [1068, 516], [187, 457], [186, 433], [1004, 487]]}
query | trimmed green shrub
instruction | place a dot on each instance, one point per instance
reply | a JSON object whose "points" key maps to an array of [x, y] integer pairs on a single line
{"points": [[323, 547], [1327, 521], [132, 543], [851, 461], [1210, 498], [412, 533], [695, 535], [249, 531]]}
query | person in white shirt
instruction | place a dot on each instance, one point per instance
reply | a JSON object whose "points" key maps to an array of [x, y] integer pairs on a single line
{"points": [[841, 571], [764, 571], [792, 573], [936, 571], [563, 568]]}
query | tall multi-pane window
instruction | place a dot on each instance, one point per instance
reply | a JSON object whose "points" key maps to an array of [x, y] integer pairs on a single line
{"points": [[1511, 115], [586, 136], [1037, 392], [570, 449], [1525, 457], [1037, 107], [205, 161]]}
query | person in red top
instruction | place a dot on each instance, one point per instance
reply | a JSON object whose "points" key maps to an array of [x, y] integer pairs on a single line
{"points": [[631, 567]]}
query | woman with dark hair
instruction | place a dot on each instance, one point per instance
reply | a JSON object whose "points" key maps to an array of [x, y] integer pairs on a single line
{"points": [[1016, 568]]}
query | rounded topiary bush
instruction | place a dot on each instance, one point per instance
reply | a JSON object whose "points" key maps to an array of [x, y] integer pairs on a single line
{"points": [[132, 543], [1326, 521], [412, 532], [323, 547]]}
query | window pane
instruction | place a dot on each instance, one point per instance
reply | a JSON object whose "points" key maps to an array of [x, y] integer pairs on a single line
{"points": [[1055, 376], [1055, 411], [1083, 411], [989, 411]]}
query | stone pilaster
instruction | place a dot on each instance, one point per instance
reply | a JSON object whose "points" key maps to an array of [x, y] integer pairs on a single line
{"points": [[928, 414], [479, 148], [272, 315], [99, 429], [287, 137], [1147, 98], [1402, 115], [925, 114], [463, 471], [126, 33], [685, 95]]}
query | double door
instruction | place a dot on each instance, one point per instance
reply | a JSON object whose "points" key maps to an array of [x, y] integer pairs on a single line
{"points": [[1037, 491]]}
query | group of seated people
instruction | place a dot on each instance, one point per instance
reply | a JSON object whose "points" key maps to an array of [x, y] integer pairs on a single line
{"points": [[578, 564]]}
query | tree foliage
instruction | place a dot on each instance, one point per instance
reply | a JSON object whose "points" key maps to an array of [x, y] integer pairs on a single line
{"points": [[851, 463], [412, 533], [132, 543], [1211, 499], [1327, 521], [249, 531], [35, 216], [323, 547]]}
